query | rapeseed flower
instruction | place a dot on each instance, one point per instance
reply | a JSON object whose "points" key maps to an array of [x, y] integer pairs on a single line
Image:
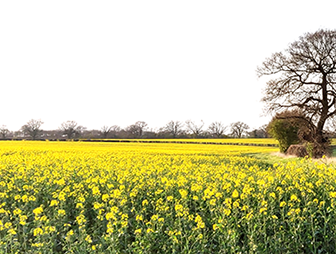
{"points": [[104, 194]]}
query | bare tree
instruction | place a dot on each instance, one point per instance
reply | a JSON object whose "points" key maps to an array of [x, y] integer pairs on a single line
{"points": [[174, 128], [115, 129], [305, 78], [32, 128], [261, 132], [141, 126], [71, 129], [137, 129], [238, 129], [4, 131], [106, 130], [217, 129], [133, 130], [195, 129]]}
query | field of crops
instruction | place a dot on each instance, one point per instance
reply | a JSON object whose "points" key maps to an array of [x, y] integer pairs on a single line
{"points": [[255, 141], [78, 197]]}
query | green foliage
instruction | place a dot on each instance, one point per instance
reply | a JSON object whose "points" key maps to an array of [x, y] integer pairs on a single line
{"points": [[285, 132]]}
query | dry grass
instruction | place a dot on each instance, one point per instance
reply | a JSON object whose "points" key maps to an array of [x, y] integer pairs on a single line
{"points": [[282, 155], [326, 160]]}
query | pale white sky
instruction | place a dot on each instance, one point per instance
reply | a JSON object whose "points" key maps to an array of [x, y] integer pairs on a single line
{"points": [[118, 62]]}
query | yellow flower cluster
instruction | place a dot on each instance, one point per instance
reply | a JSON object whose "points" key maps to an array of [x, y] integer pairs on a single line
{"points": [[111, 196]]}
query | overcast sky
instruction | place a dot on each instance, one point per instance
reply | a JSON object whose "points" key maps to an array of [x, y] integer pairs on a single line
{"points": [[118, 62]]}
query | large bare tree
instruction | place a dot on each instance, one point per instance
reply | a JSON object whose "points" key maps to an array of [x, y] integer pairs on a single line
{"points": [[4, 131], [137, 129], [174, 128], [217, 129], [141, 127], [304, 77], [238, 129], [106, 130], [71, 129], [32, 128], [194, 128]]}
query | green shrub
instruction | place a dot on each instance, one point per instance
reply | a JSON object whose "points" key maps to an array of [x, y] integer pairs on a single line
{"points": [[285, 132]]}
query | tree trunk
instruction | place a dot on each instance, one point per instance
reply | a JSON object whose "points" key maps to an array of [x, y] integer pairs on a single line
{"points": [[321, 143]]}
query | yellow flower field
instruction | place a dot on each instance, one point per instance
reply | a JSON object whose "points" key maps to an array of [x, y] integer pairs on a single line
{"points": [[77, 197], [260, 141]]}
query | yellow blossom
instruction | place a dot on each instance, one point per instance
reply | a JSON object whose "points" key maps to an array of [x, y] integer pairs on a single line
{"points": [[61, 212], [88, 239], [54, 202], [38, 231], [235, 194]]}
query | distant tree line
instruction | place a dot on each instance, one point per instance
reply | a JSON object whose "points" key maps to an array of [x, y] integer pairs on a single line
{"points": [[173, 129]]}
